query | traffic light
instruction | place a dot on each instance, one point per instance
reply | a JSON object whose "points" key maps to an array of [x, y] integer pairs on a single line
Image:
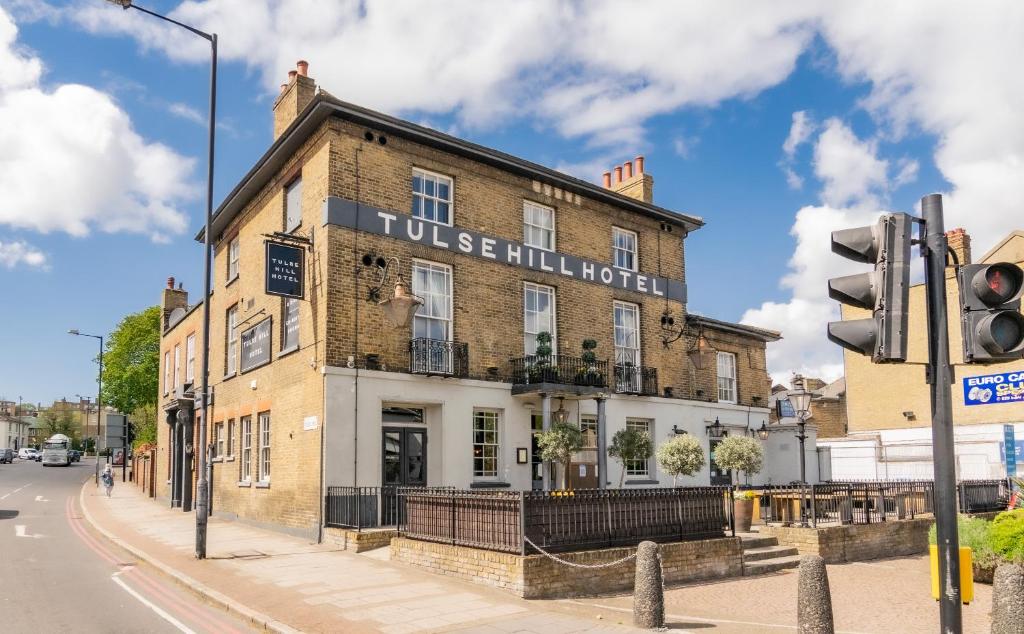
{"points": [[990, 319], [884, 291]]}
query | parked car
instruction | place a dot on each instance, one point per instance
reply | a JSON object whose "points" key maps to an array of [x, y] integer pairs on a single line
{"points": [[27, 453], [76, 455], [39, 456], [6, 455]]}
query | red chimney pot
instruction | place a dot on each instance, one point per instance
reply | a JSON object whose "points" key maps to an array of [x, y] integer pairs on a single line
{"points": [[170, 282], [629, 170], [639, 164], [303, 67], [607, 179], [292, 74], [618, 173]]}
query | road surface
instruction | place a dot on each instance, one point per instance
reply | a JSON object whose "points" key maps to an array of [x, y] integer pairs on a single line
{"points": [[58, 575]]}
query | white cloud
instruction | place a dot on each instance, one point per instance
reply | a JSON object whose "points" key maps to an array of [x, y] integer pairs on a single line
{"points": [[848, 167], [683, 146], [186, 112], [799, 131], [73, 162], [14, 253]]}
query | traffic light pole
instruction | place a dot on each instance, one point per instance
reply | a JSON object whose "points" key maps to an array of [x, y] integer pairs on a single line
{"points": [[940, 378]]}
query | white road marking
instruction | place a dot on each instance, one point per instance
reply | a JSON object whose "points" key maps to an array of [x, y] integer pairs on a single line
{"points": [[15, 491], [152, 606], [40, 498], [19, 531]]}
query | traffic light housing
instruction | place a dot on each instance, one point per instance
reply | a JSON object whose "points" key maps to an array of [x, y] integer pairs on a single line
{"points": [[884, 291], [990, 318]]}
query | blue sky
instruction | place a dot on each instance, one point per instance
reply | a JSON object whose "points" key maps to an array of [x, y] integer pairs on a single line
{"points": [[709, 97]]}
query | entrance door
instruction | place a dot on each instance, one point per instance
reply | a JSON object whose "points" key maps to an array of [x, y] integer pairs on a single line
{"points": [[405, 456], [718, 477], [536, 465]]}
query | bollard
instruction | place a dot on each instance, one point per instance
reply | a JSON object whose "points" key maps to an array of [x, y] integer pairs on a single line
{"points": [[814, 600], [648, 589], [1008, 599]]}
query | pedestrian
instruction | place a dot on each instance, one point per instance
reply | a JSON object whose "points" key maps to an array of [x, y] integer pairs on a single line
{"points": [[108, 480]]}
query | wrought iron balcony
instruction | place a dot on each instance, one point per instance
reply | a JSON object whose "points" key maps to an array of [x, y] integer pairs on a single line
{"points": [[636, 379], [559, 369], [435, 357]]}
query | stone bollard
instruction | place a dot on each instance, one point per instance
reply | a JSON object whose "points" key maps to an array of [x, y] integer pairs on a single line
{"points": [[648, 589], [1008, 599], [814, 600]]}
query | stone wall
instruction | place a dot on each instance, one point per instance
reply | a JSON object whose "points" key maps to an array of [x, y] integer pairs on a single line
{"points": [[358, 541], [538, 577], [860, 542]]}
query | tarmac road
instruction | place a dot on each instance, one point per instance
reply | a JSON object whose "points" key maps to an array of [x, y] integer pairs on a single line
{"points": [[57, 575]]}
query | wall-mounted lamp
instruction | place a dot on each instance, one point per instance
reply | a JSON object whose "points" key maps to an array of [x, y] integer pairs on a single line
{"points": [[400, 308], [715, 430], [561, 416], [761, 432]]}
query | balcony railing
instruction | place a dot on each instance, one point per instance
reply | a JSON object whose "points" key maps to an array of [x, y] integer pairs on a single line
{"points": [[432, 356], [560, 369], [636, 379]]}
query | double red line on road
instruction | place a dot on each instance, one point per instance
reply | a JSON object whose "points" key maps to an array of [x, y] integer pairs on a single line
{"points": [[205, 620]]}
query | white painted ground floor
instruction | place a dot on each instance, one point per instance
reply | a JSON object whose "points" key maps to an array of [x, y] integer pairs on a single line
{"points": [[907, 453], [387, 428]]}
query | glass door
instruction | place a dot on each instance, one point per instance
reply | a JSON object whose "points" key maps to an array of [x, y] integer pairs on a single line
{"points": [[718, 477], [404, 457]]}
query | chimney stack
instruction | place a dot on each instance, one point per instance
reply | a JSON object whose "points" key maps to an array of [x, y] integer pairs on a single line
{"points": [[638, 184], [960, 242], [172, 299], [295, 96]]}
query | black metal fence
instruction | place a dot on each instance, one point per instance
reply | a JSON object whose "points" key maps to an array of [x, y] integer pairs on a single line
{"points": [[366, 507], [559, 368], [983, 496], [636, 379], [510, 521], [432, 356]]}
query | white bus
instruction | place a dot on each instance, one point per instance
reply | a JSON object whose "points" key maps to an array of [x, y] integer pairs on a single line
{"points": [[57, 451]]}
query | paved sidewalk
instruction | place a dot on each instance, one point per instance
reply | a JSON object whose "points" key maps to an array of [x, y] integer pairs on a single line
{"points": [[286, 583]]}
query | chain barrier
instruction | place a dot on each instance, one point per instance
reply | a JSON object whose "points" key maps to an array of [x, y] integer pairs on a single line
{"points": [[573, 564]]}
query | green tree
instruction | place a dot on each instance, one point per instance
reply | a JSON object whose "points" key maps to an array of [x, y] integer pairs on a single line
{"points": [[131, 362], [682, 455], [145, 420], [739, 453], [630, 445], [59, 421], [558, 444]]}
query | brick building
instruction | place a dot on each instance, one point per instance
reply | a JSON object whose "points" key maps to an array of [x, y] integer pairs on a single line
{"points": [[888, 405], [327, 390]]}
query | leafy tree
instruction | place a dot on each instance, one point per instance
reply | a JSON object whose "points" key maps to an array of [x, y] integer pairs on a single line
{"points": [[682, 455], [558, 444], [59, 421], [629, 445], [145, 420], [739, 453], [131, 362]]}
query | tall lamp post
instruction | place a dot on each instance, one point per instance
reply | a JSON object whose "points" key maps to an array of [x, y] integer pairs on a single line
{"points": [[801, 401], [99, 401], [202, 485]]}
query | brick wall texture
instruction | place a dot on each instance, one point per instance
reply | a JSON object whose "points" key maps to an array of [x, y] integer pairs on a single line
{"points": [[538, 577], [860, 542]]}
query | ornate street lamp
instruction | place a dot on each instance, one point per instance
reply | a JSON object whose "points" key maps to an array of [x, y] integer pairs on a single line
{"points": [[562, 415], [715, 430], [800, 399], [400, 308]]}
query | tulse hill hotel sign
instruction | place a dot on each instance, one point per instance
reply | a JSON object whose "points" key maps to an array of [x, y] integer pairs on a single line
{"points": [[345, 213]]}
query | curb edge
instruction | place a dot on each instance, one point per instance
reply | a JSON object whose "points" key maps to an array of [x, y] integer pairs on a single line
{"points": [[208, 593]]}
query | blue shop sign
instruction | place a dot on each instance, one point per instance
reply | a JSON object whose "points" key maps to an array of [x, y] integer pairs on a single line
{"points": [[989, 389]]}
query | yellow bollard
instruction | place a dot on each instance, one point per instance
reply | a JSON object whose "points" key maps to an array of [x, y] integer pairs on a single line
{"points": [[966, 573]]}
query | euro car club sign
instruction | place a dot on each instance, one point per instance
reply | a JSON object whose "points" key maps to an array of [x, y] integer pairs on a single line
{"points": [[989, 389], [284, 268]]}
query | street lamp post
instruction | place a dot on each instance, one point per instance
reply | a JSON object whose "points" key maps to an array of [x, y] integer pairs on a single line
{"points": [[99, 401], [203, 485], [801, 400]]}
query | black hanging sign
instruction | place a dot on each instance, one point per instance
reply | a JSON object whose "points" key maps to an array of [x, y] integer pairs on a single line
{"points": [[256, 346], [284, 267]]}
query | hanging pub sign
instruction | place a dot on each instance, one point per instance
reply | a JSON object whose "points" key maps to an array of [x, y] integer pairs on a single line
{"points": [[284, 270], [255, 346]]}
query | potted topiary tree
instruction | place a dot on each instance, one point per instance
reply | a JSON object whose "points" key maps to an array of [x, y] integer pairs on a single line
{"points": [[682, 455], [740, 453], [558, 445], [542, 371], [630, 445], [589, 374]]}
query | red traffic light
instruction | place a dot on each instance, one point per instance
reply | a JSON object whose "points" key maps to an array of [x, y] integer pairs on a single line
{"points": [[998, 283]]}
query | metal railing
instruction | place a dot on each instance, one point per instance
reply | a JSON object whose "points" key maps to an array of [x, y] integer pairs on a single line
{"points": [[561, 521], [839, 503], [433, 356], [636, 379], [558, 368], [366, 507], [982, 496]]}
